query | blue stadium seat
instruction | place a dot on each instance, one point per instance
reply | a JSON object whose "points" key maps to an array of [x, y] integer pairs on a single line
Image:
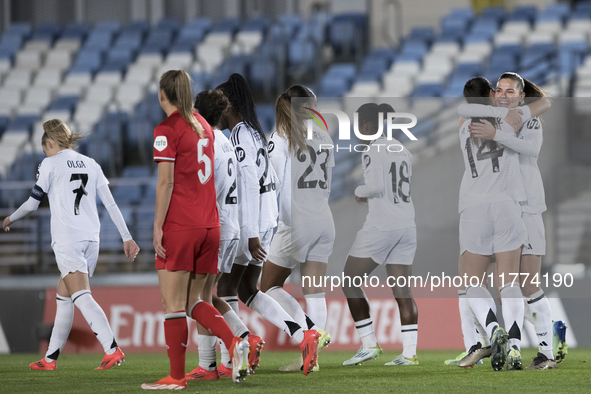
{"points": [[373, 65], [266, 115], [62, 103], [288, 25], [22, 123], [98, 40], [170, 24], [347, 32], [425, 34], [89, 60], [262, 71], [76, 30], [497, 13], [11, 43], [342, 70], [23, 29], [136, 172], [334, 86], [111, 26], [48, 31], [130, 40], [301, 54], [414, 48], [427, 90]]}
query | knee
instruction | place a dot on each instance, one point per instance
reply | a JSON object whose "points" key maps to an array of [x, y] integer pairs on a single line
{"points": [[245, 291]]}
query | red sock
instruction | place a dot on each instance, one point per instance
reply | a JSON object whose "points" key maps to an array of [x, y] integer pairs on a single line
{"points": [[212, 319], [176, 334]]}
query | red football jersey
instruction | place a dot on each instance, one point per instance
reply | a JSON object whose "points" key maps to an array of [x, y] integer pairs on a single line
{"points": [[193, 201]]}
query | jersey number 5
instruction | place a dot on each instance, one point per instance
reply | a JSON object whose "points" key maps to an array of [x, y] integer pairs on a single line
{"points": [[80, 191], [205, 174]]}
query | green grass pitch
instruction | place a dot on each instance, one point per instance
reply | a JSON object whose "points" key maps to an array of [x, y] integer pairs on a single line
{"points": [[76, 374]]}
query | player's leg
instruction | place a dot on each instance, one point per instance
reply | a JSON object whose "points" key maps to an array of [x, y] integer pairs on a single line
{"points": [[538, 308], [409, 314], [359, 308], [64, 315]]}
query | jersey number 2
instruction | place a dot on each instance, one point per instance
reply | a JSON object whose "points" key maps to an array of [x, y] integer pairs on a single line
{"points": [[230, 199], [205, 174], [80, 191]]}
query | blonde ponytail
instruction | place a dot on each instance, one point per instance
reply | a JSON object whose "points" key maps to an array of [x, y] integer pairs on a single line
{"points": [[176, 84], [59, 132]]}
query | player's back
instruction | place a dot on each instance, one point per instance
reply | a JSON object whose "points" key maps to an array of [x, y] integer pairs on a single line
{"points": [[71, 180], [225, 185], [392, 208], [491, 170], [193, 200]]}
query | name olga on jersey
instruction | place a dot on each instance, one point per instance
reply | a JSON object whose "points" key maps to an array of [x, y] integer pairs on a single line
{"points": [[76, 164]]}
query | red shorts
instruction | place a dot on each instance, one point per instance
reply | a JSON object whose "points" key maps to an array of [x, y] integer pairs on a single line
{"points": [[194, 250]]}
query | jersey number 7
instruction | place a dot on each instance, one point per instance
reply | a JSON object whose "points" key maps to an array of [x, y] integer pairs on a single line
{"points": [[80, 191]]}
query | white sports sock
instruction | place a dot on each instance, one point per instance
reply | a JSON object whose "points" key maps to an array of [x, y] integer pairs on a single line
{"points": [[236, 325], [64, 315], [366, 333], [206, 350], [467, 321], [316, 308], [233, 302], [273, 312], [484, 308], [96, 319], [226, 360], [512, 312], [410, 335], [542, 319], [289, 304]]}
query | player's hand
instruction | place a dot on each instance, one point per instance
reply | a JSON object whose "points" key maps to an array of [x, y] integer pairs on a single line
{"points": [[361, 200], [160, 251], [514, 119], [484, 130], [7, 223], [256, 250], [131, 249]]}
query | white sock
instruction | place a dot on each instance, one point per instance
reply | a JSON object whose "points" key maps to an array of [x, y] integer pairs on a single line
{"points": [[542, 319], [467, 321], [512, 312], [273, 312], [226, 360], [233, 302], [64, 315], [316, 308], [410, 334], [289, 304], [366, 333], [484, 308], [96, 319], [236, 325], [206, 350]]}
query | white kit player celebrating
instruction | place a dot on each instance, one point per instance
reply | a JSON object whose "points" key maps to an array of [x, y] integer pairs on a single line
{"points": [[211, 104], [527, 142], [306, 233], [258, 217], [491, 224], [388, 236], [72, 181]]}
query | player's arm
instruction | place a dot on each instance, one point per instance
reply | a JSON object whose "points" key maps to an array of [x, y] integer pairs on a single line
{"points": [[529, 145], [164, 188], [26, 208], [373, 177], [513, 117], [129, 246]]}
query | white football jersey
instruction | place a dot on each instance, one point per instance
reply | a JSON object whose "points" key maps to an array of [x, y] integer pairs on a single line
{"points": [[528, 143], [303, 178], [491, 170], [256, 183], [225, 171], [387, 169], [70, 181]]}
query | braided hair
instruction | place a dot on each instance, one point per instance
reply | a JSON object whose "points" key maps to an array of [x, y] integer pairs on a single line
{"points": [[238, 92]]}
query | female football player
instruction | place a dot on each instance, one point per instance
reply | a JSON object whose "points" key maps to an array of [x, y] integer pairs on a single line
{"points": [[211, 104], [258, 218], [388, 236], [491, 224], [72, 181], [306, 228], [187, 229], [527, 142]]}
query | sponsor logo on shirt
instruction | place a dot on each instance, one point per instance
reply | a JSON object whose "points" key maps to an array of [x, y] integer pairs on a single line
{"points": [[160, 143], [240, 154], [271, 146]]}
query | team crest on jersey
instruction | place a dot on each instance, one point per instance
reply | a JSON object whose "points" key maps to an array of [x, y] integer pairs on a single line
{"points": [[366, 160], [240, 154], [271, 146], [160, 143]]}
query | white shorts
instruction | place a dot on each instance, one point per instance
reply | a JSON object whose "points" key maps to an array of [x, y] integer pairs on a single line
{"points": [[226, 254], [486, 229], [385, 247], [310, 242], [243, 256], [536, 234], [78, 256]]}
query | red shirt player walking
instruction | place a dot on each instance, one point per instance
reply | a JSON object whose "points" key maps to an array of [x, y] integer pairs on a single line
{"points": [[187, 229]]}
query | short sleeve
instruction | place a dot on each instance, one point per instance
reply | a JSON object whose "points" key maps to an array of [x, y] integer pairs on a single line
{"points": [[165, 144], [44, 175]]}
